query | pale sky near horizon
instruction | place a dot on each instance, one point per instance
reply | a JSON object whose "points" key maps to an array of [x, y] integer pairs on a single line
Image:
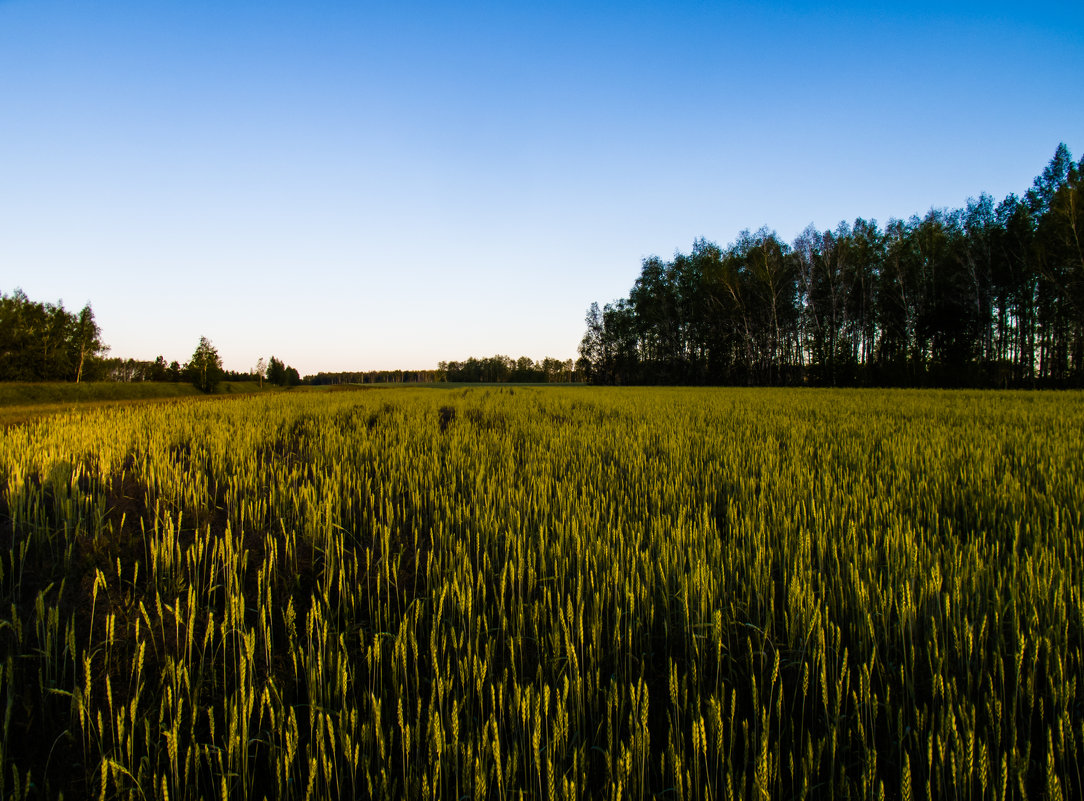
{"points": [[357, 186]]}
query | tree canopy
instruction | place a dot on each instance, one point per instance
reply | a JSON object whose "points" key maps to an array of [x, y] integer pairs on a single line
{"points": [[205, 368], [988, 295], [281, 374], [45, 342]]}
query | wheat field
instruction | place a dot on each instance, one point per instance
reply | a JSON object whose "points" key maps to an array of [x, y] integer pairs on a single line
{"points": [[546, 593]]}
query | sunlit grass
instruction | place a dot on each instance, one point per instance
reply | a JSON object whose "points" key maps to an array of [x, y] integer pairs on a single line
{"points": [[21, 401]]}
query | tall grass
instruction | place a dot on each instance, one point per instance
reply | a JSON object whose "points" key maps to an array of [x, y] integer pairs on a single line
{"points": [[546, 593]]}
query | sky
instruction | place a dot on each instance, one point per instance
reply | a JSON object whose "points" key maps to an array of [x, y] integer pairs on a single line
{"points": [[364, 186]]}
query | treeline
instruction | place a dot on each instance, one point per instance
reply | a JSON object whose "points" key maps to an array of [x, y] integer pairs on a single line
{"points": [[46, 342], [273, 371], [134, 370], [490, 369], [374, 377], [989, 295], [204, 370], [501, 369]]}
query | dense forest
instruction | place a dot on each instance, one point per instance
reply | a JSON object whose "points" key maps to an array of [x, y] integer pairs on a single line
{"points": [[46, 342], [988, 295]]}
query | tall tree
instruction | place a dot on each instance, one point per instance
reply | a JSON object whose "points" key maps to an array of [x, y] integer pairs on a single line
{"points": [[205, 368], [86, 341], [260, 370], [592, 348], [276, 371]]}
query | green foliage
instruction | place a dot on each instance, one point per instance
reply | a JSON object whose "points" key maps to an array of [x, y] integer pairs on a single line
{"points": [[282, 375], [547, 593], [205, 368], [44, 342], [503, 369], [985, 296]]}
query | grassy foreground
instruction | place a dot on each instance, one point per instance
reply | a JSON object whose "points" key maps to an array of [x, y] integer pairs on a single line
{"points": [[23, 401], [546, 593]]}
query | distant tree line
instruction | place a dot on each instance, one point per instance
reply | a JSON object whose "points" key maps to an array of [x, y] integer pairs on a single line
{"points": [[491, 369], [46, 342], [500, 369], [204, 370], [274, 372], [374, 377], [127, 370], [989, 295]]}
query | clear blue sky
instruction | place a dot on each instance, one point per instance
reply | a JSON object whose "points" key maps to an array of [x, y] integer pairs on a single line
{"points": [[378, 185]]}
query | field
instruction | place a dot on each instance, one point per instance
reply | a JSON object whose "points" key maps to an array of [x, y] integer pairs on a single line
{"points": [[546, 593], [21, 401]]}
